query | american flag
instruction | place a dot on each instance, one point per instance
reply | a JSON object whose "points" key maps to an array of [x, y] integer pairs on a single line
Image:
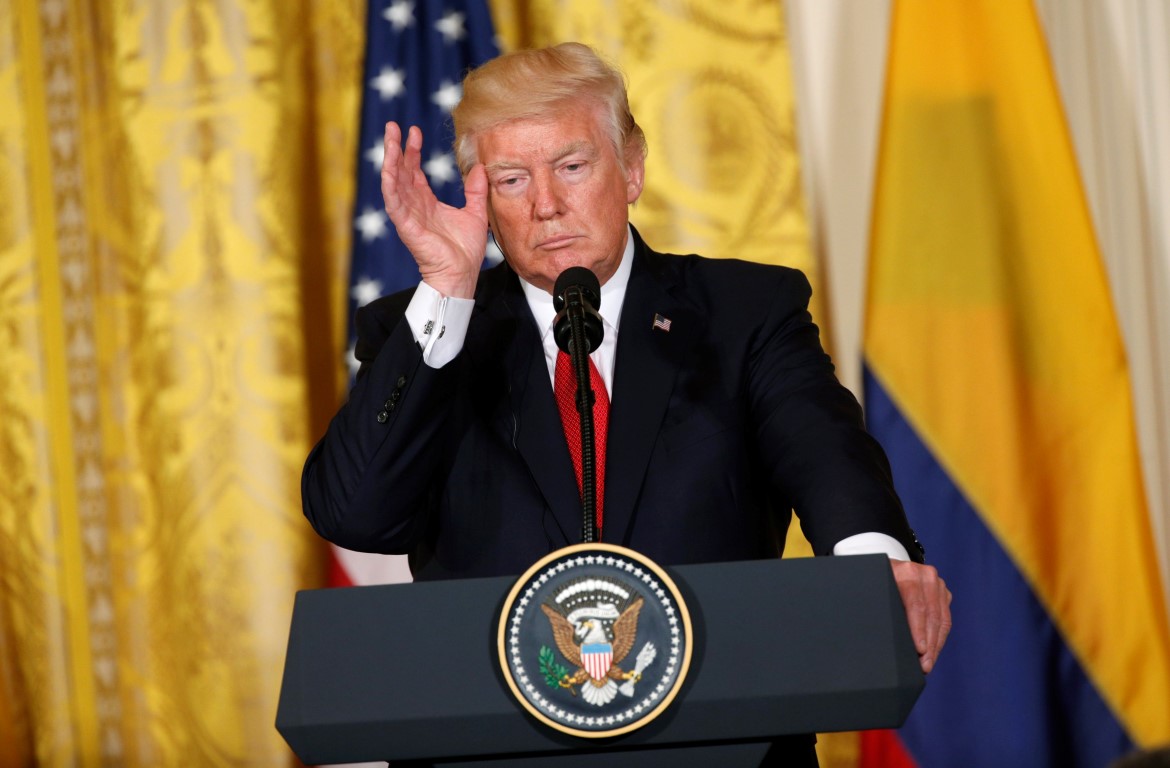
{"points": [[416, 56]]}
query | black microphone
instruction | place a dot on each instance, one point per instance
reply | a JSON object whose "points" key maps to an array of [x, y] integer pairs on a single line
{"points": [[577, 292], [577, 330]]}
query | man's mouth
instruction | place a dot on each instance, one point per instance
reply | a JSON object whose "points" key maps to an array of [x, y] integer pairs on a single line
{"points": [[556, 241]]}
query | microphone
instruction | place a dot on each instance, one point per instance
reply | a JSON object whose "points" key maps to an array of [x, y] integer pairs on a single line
{"points": [[577, 330], [577, 292]]}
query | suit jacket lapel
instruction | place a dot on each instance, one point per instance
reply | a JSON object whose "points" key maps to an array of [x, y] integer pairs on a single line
{"points": [[648, 361], [537, 432]]}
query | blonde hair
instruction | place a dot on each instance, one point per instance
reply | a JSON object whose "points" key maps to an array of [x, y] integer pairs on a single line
{"points": [[536, 84]]}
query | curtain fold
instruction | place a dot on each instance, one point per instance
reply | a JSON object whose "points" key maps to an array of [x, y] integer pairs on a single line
{"points": [[174, 214]]}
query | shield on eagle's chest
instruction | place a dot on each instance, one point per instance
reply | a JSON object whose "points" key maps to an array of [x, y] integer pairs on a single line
{"points": [[597, 658]]}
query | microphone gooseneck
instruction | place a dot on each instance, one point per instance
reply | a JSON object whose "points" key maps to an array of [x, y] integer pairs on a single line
{"points": [[578, 331]]}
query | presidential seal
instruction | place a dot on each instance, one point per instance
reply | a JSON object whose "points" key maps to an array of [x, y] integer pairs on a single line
{"points": [[595, 640]]}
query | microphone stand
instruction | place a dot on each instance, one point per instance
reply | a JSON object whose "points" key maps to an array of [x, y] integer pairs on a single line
{"points": [[576, 297], [579, 356]]}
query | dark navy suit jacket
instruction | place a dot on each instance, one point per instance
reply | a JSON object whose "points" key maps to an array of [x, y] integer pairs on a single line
{"points": [[718, 427]]}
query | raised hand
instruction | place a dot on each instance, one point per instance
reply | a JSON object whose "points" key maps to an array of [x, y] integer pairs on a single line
{"points": [[447, 243]]}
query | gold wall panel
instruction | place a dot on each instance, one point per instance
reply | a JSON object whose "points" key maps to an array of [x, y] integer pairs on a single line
{"points": [[175, 182]]}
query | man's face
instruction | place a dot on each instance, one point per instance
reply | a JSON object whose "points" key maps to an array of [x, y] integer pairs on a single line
{"points": [[557, 194]]}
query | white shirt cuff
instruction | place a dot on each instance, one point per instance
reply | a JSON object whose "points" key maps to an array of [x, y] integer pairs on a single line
{"points": [[871, 544], [439, 324]]}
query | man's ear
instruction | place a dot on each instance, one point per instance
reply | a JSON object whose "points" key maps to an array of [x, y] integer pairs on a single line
{"points": [[635, 175]]}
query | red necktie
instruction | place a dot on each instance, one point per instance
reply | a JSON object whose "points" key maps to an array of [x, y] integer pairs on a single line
{"points": [[565, 390]]}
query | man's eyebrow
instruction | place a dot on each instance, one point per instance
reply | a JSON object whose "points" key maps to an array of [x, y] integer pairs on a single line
{"points": [[571, 148], [503, 165]]}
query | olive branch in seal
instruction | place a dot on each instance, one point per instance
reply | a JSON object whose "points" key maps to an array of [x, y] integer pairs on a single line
{"points": [[553, 672]]}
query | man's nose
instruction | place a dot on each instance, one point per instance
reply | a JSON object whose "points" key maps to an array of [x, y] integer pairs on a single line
{"points": [[547, 199]]}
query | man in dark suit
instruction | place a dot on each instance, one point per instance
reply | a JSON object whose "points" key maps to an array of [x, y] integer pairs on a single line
{"points": [[725, 413]]}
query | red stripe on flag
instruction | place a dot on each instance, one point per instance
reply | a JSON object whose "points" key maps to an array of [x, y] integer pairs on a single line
{"points": [[883, 749], [338, 577]]}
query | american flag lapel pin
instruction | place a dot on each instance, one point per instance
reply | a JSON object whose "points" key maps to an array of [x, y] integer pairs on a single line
{"points": [[661, 323]]}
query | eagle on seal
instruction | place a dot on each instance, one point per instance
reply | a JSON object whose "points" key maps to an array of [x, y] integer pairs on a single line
{"points": [[585, 642]]}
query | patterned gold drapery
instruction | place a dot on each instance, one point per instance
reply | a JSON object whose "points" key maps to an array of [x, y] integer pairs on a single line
{"points": [[175, 182]]}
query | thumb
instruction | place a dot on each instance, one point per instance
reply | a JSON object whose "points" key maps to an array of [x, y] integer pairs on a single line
{"points": [[475, 188]]}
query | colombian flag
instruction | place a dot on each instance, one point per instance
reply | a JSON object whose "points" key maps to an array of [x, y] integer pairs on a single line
{"points": [[997, 381]]}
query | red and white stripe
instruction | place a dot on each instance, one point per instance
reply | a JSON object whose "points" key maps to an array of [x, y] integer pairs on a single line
{"points": [[597, 664], [358, 569]]}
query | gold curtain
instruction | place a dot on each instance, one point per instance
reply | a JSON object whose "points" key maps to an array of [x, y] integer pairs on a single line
{"points": [[175, 183], [711, 85]]}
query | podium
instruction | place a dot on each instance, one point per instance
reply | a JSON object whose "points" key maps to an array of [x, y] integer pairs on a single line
{"points": [[410, 671]]}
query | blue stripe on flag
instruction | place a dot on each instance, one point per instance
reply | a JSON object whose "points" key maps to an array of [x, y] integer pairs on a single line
{"points": [[1006, 691]]}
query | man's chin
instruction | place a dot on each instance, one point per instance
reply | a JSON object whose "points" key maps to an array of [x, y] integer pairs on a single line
{"points": [[551, 269], [550, 265]]}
